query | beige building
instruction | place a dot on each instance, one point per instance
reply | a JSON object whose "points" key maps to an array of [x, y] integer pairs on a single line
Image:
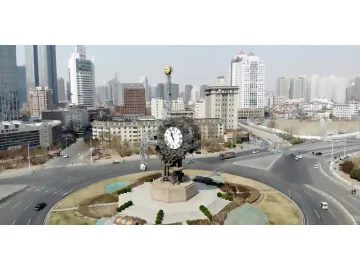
{"points": [[250, 113], [133, 131], [40, 99], [222, 102]]}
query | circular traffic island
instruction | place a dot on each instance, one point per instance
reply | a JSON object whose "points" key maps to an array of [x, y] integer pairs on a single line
{"points": [[219, 200]]}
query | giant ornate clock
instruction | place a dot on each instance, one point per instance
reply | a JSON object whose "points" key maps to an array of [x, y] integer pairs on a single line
{"points": [[176, 138]]}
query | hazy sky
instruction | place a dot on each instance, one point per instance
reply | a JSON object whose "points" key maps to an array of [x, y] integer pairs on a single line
{"points": [[198, 65]]}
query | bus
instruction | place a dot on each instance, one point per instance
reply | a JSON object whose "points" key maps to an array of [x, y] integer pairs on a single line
{"points": [[226, 155]]}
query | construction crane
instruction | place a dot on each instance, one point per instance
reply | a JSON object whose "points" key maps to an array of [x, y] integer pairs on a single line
{"points": [[151, 138]]}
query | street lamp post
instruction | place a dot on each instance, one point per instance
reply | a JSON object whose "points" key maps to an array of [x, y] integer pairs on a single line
{"points": [[29, 156], [90, 152], [332, 151], [345, 148]]}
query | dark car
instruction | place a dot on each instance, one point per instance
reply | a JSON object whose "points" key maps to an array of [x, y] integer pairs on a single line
{"points": [[197, 152], [292, 155], [40, 206], [318, 153]]}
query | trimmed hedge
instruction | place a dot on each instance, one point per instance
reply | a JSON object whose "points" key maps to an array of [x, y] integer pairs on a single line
{"points": [[150, 180], [159, 217], [206, 212], [225, 196], [124, 206], [123, 190]]}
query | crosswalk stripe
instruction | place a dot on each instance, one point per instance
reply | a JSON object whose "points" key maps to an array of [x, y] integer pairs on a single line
{"points": [[38, 189], [58, 191]]}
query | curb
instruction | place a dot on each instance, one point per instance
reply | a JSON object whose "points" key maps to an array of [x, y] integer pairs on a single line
{"points": [[335, 201]]}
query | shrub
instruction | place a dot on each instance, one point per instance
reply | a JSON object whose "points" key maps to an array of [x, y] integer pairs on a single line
{"points": [[347, 166], [206, 212], [150, 180], [123, 190], [158, 222], [159, 217], [355, 174], [225, 196], [202, 207], [219, 194], [124, 206]]}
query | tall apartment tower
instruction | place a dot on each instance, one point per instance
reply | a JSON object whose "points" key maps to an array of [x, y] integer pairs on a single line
{"points": [[187, 95], [247, 72], [40, 99], [40, 65], [61, 89], [160, 91], [283, 87], [9, 101], [82, 78], [134, 99]]}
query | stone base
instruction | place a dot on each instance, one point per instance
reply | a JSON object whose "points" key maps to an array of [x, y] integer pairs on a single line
{"points": [[170, 193]]}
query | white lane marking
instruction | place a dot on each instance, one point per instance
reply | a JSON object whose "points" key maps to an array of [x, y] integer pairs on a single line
{"points": [[13, 222], [27, 206], [58, 191], [16, 204], [272, 163], [307, 193], [317, 213], [32, 188], [29, 221], [331, 214], [37, 190], [4, 204], [51, 189], [67, 193], [297, 194]]}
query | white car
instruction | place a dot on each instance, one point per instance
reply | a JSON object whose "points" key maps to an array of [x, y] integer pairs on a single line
{"points": [[116, 161], [66, 156], [300, 156], [255, 152], [316, 166], [296, 158], [324, 206]]}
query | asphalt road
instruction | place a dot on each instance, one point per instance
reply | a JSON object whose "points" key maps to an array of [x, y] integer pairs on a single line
{"points": [[286, 175]]}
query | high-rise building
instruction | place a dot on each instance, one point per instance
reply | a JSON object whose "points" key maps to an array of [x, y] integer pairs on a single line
{"points": [[337, 89], [153, 91], [61, 90], [40, 63], [82, 78], [160, 91], [187, 94], [21, 85], [350, 90], [115, 93], [40, 99], [68, 91], [248, 73], [222, 102], [199, 111], [283, 87], [202, 89], [144, 80], [175, 89], [9, 100], [134, 99], [298, 87]]}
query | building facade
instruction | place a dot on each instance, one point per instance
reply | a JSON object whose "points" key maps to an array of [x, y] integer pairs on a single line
{"points": [[160, 91], [61, 90], [247, 72], [9, 100], [40, 98], [134, 131], [17, 134], [21, 85], [82, 78], [134, 99], [187, 93], [40, 63], [199, 110], [283, 87], [250, 113], [157, 106], [346, 111], [222, 102]]}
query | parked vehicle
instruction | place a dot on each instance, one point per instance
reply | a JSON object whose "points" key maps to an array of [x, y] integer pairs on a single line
{"points": [[226, 155]]}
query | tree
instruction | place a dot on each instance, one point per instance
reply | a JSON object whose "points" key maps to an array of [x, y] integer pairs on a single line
{"points": [[347, 166], [272, 124]]}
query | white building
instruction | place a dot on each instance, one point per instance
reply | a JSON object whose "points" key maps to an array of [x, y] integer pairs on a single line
{"points": [[248, 73], [298, 88], [9, 102], [16, 134], [144, 80], [134, 131], [199, 109], [76, 118], [222, 102], [346, 111], [82, 78], [157, 106], [283, 87]]}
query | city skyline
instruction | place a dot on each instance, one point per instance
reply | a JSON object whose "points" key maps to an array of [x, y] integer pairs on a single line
{"points": [[197, 65]]}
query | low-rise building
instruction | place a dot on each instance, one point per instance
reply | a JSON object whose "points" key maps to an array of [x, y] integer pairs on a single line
{"points": [[199, 111], [346, 111], [134, 131], [250, 113], [16, 134]]}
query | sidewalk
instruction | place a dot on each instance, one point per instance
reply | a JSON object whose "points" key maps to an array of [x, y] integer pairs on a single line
{"points": [[20, 172]]}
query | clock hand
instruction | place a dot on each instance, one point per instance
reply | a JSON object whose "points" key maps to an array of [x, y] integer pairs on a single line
{"points": [[172, 136]]}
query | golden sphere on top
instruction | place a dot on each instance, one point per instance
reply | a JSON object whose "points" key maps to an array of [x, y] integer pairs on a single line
{"points": [[168, 70]]}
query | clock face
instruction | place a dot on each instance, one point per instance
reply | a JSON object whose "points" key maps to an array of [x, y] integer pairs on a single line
{"points": [[173, 137]]}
